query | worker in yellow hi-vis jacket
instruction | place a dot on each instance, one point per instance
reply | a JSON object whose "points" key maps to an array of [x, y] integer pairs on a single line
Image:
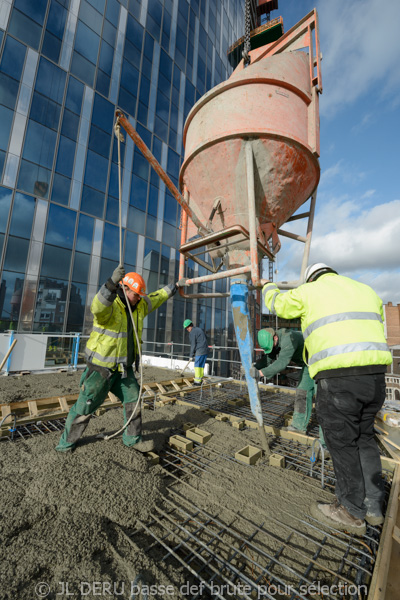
{"points": [[111, 353], [347, 354]]}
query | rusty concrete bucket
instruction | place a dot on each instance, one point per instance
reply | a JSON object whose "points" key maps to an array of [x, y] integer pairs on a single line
{"points": [[251, 160]]}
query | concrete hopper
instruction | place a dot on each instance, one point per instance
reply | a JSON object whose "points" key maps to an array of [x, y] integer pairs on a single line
{"points": [[265, 106]]}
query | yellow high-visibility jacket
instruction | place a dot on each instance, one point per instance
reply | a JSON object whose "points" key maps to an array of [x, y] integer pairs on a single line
{"points": [[107, 345], [341, 321]]}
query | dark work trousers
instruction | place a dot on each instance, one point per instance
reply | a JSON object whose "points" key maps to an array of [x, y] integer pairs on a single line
{"points": [[346, 407]]}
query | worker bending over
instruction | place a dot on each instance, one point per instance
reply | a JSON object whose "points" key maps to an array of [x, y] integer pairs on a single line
{"points": [[111, 353], [342, 325], [198, 350], [282, 347]]}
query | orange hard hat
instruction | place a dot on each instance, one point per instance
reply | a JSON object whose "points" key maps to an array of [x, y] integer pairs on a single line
{"points": [[135, 282]]}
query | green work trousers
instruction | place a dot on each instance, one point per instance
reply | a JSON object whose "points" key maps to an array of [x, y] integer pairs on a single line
{"points": [[303, 403], [94, 390]]}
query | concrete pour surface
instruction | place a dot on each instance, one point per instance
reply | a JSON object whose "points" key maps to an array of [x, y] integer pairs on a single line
{"points": [[66, 518], [15, 388]]}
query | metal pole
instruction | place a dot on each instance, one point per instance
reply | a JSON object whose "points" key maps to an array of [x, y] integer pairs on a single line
{"points": [[159, 170], [251, 198], [77, 343]]}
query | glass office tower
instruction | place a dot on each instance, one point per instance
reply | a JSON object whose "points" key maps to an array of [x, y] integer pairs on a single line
{"points": [[65, 66]]}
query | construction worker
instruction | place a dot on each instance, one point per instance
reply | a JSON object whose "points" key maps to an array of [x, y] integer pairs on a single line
{"points": [[281, 347], [347, 354], [198, 349], [111, 352]]}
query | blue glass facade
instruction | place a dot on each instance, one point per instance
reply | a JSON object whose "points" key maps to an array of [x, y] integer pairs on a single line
{"points": [[65, 67]]}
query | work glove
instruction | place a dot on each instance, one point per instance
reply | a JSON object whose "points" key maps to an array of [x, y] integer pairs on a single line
{"points": [[181, 282], [118, 274]]}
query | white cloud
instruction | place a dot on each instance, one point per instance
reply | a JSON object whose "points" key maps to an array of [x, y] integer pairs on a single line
{"points": [[360, 243], [366, 121], [360, 46], [368, 194], [368, 240]]}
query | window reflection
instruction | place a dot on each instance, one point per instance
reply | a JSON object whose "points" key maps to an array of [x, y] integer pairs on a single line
{"points": [[8, 91], [85, 234], [61, 187], [76, 307], [16, 254], [130, 247], [5, 201], [6, 117], [50, 81], [45, 111], [50, 305], [13, 58], [60, 226], [22, 215], [39, 144], [56, 262], [11, 287], [92, 202], [111, 242], [25, 29], [81, 267], [74, 95], [34, 179]]}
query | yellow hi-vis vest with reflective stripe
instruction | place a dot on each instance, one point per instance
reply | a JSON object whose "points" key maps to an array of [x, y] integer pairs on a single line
{"points": [[341, 321], [107, 345]]}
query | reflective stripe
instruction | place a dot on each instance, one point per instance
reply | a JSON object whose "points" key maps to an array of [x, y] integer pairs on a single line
{"points": [[273, 302], [348, 316], [106, 359], [346, 348], [112, 334], [267, 286], [149, 304]]}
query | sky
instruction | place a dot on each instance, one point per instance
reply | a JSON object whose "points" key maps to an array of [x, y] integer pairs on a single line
{"points": [[357, 222]]}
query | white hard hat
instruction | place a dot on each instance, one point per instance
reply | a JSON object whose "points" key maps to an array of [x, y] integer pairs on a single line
{"points": [[316, 268]]}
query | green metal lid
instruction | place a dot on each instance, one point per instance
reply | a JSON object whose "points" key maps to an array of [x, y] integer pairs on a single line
{"points": [[187, 323]]}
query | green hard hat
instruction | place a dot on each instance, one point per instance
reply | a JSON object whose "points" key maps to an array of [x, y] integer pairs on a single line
{"points": [[266, 339], [187, 323]]}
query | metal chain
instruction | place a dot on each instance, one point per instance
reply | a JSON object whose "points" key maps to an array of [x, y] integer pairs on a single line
{"points": [[246, 45]]}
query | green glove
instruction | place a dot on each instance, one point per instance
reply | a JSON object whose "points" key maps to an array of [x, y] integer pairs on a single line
{"points": [[118, 274]]}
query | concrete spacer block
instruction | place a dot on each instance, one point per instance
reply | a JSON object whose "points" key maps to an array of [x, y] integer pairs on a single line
{"points": [[180, 443], [221, 417], [236, 402], [249, 455], [238, 424], [288, 418], [153, 458], [276, 460], [198, 435], [188, 425]]}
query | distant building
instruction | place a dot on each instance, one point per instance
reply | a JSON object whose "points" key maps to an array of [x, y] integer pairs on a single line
{"points": [[392, 323]]}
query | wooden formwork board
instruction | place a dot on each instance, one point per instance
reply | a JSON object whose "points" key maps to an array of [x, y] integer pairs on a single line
{"points": [[31, 411], [386, 580]]}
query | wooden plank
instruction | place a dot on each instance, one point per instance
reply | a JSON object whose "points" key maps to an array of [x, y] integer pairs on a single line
{"points": [[377, 590], [396, 534], [161, 388], [175, 385], [63, 403], [149, 390], [113, 398], [33, 409], [5, 410]]}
